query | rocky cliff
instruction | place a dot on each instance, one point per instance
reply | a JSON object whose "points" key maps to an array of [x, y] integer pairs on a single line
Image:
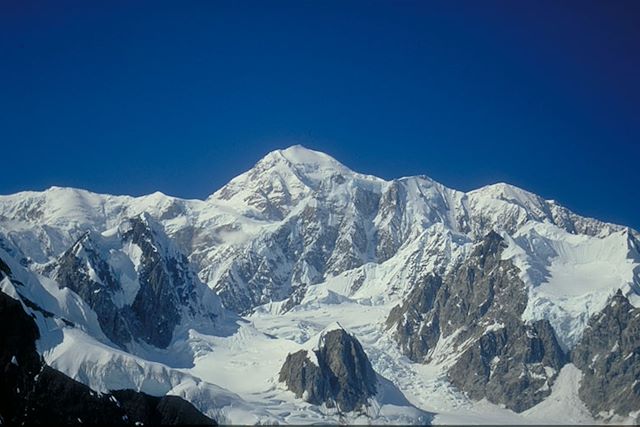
{"points": [[609, 356], [478, 308], [337, 373], [137, 282]]}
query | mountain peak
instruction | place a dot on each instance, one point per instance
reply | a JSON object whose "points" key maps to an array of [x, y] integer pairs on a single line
{"points": [[304, 159], [280, 180]]}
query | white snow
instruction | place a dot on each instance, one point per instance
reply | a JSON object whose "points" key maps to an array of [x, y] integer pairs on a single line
{"points": [[571, 277], [125, 264], [231, 373]]}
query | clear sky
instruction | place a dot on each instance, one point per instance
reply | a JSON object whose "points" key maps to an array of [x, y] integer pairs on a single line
{"points": [[130, 97]]}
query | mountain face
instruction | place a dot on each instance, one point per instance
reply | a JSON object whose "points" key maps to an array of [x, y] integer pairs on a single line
{"points": [[453, 300], [328, 220], [138, 284], [478, 307], [297, 218], [609, 356]]}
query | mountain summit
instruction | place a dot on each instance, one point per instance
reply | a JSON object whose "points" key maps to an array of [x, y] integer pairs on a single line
{"points": [[280, 180]]}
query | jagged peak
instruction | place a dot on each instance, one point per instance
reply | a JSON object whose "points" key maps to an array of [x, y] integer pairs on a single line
{"points": [[86, 240], [144, 226], [493, 236], [490, 245], [316, 342], [618, 301], [143, 218], [333, 327]]}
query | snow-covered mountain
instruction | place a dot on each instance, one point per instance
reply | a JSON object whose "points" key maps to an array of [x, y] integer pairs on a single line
{"points": [[468, 305]]}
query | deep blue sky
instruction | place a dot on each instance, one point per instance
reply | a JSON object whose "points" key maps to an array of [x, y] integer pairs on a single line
{"points": [[133, 97]]}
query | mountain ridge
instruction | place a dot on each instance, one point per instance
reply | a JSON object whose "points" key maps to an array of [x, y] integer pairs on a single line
{"points": [[299, 241], [298, 148], [366, 219]]}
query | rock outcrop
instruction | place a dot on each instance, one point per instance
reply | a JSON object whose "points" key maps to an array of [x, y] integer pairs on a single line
{"points": [[609, 356], [336, 373], [478, 307]]}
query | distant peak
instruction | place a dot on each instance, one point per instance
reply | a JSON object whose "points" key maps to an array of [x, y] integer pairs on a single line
{"points": [[298, 147], [299, 155], [508, 192], [57, 188]]}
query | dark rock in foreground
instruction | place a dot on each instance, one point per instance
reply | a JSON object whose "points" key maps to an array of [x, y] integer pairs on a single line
{"points": [[165, 410], [341, 376], [33, 393]]}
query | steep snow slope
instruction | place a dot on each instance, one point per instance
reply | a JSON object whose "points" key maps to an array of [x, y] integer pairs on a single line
{"points": [[573, 276]]}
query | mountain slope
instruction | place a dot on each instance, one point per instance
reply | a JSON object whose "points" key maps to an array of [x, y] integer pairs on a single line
{"points": [[33, 393], [488, 292], [295, 219], [139, 284]]}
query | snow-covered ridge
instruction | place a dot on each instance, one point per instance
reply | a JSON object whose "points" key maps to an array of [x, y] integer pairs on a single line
{"points": [[297, 218], [295, 244], [304, 193]]}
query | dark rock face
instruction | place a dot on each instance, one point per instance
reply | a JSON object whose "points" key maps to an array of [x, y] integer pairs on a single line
{"points": [[166, 284], [73, 272], [416, 323], [19, 361], [4, 269], [58, 397], [162, 286], [165, 410], [34, 393], [391, 207], [512, 365], [479, 306], [343, 377], [609, 356]]}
